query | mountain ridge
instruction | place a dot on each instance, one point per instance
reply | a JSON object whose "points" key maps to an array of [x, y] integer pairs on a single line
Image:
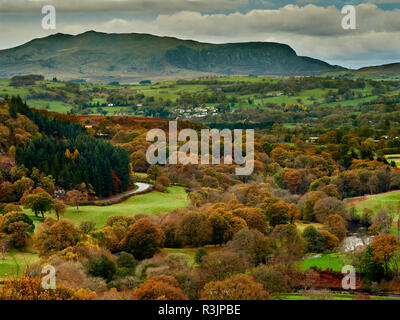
{"points": [[95, 55]]}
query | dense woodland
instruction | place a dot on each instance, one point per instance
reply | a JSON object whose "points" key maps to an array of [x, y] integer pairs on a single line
{"points": [[66, 152]]}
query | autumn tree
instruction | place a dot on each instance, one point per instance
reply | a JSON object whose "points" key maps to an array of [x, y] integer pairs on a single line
{"points": [[76, 197], [54, 236], [22, 185], [383, 248], [336, 225], [195, 229], [237, 287], [154, 172], [162, 183], [139, 161], [143, 239], [277, 212], [40, 202], [160, 288], [251, 244], [292, 180], [224, 225], [331, 241], [31, 289], [19, 233], [273, 279], [12, 217], [315, 240], [294, 213], [381, 222], [328, 206], [287, 245], [254, 218], [87, 226], [220, 264], [309, 200], [59, 207]]}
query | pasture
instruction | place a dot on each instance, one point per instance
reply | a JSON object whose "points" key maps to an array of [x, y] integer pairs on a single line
{"points": [[393, 158], [15, 263], [149, 203], [387, 201], [334, 261]]}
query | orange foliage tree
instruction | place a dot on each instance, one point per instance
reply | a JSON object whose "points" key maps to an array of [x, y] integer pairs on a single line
{"points": [[383, 249], [160, 288], [237, 287], [143, 239], [54, 236]]}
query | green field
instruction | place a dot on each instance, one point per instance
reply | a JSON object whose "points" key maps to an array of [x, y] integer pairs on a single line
{"points": [[387, 201], [334, 261], [15, 263], [333, 296], [395, 158], [149, 203], [55, 106]]}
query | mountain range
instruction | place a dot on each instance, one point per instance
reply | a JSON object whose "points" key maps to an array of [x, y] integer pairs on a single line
{"points": [[94, 55]]}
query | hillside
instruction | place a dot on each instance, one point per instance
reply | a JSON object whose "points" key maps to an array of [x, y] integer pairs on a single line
{"points": [[386, 71], [100, 56], [389, 70]]}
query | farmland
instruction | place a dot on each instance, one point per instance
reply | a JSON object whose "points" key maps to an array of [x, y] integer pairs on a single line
{"points": [[15, 263], [172, 96], [149, 203], [388, 200]]}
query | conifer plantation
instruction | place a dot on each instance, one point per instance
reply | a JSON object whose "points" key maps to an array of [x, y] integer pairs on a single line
{"points": [[67, 152]]}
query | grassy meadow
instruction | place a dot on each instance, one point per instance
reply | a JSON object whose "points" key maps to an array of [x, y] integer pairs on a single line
{"points": [[334, 261], [15, 263], [150, 203], [330, 296], [393, 158], [387, 201]]}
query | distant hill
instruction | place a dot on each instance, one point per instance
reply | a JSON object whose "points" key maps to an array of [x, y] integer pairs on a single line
{"points": [[390, 70], [110, 57], [386, 71]]}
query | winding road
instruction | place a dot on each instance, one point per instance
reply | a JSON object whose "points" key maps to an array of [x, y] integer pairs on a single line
{"points": [[140, 188]]}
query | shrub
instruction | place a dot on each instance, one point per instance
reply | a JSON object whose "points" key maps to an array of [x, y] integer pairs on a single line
{"points": [[315, 240], [104, 268], [126, 260], [200, 253], [87, 226]]}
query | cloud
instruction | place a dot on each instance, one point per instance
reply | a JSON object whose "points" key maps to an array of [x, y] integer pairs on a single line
{"points": [[309, 20], [133, 6], [311, 30]]}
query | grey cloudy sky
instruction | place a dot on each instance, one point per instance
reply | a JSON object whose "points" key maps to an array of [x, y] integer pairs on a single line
{"points": [[312, 28]]}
